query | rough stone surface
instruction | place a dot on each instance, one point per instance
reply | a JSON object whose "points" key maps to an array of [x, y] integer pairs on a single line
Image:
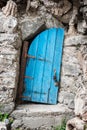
{"points": [[10, 45], [42, 14], [76, 123], [7, 108], [51, 21], [39, 116], [32, 25], [71, 70], [60, 9], [2, 126], [7, 24], [10, 9], [80, 121], [81, 102], [75, 40], [67, 98], [80, 28]]}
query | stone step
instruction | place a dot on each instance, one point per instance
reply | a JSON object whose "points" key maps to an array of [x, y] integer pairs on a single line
{"points": [[38, 116]]}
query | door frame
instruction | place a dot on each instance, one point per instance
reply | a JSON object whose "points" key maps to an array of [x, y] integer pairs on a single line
{"points": [[22, 70]]}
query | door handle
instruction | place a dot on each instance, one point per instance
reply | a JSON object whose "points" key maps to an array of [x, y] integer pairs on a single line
{"points": [[55, 79]]}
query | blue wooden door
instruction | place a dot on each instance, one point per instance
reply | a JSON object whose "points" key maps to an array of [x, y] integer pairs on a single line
{"points": [[43, 67]]}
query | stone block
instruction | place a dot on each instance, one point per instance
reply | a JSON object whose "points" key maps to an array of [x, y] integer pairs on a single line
{"points": [[81, 103], [40, 24], [8, 96], [28, 29], [2, 126], [70, 69], [9, 71], [8, 50], [9, 75], [67, 98], [7, 60], [10, 40], [75, 40], [7, 107], [70, 63], [7, 82], [52, 22], [42, 117], [69, 84], [8, 24]]}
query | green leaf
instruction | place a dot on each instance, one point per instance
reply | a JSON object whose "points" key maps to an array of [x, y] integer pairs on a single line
{"points": [[62, 126], [3, 116]]}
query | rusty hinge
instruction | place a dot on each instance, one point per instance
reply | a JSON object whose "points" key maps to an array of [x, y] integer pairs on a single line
{"points": [[29, 56], [33, 57], [29, 77], [28, 98]]}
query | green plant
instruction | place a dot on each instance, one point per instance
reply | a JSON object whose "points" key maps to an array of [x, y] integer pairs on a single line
{"points": [[85, 127], [17, 129], [62, 126], [3, 116], [11, 120]]}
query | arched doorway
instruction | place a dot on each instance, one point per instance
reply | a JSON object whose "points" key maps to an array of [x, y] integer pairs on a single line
{"points": [[42, 73]]}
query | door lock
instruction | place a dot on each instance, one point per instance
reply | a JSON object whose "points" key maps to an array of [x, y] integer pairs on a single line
{"points": [[55, 79]]}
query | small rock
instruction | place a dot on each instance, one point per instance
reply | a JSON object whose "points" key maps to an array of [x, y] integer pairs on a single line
{"points": [[6, 121], [3, 126], [7, 108], [16, 124], [80, 28], [34, 4]]}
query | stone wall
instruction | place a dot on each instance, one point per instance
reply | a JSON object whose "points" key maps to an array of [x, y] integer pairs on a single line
{"points": [[42, 15], [72, 75], [10, 45]]}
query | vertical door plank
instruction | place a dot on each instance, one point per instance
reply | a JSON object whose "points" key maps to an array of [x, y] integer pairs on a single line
{"points": [[48, 65], [38, 75], [30, 69], [56, 65]]}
